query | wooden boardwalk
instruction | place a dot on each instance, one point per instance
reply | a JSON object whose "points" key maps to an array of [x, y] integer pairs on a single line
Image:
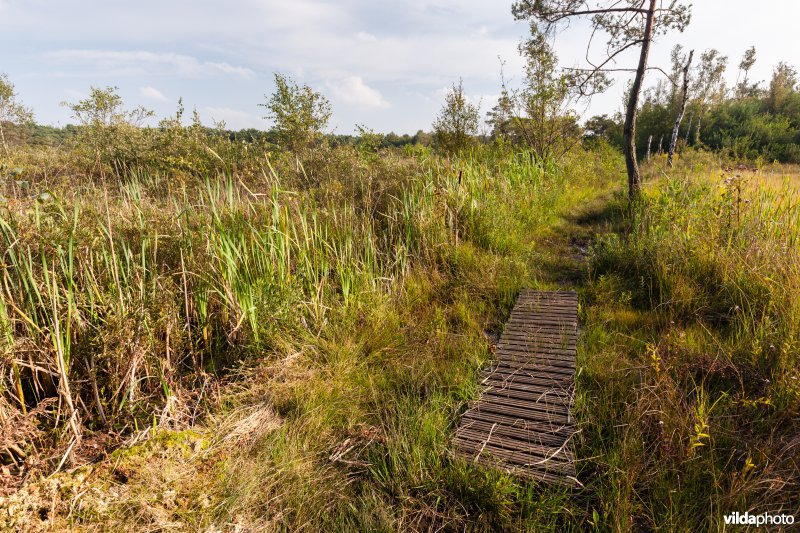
{"points": [[522, 422]]}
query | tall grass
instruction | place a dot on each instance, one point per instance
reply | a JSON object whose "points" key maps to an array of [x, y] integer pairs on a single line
{"points": [[346, 306], [115, 297], [700, 310], [347, 314]]}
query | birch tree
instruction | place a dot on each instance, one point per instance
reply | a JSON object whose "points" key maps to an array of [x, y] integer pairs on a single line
{"points": [[681, 108], [11, 110]]}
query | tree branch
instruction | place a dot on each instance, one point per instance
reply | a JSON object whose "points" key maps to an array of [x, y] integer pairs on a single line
{"points": [[597, 68], [564, 14]]}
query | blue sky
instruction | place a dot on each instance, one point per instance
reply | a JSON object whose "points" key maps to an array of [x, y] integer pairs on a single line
{"points": [[383, 64]]}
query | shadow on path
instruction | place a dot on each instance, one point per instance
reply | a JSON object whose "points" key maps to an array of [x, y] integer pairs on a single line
{"points": [[562, 255]]}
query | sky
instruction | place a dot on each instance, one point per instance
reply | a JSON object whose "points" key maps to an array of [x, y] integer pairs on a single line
{"points": [[383, 64]]}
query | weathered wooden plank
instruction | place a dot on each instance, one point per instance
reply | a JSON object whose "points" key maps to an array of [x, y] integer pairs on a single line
{"points": [[547, 297], [522, 422], [533, 366], [498, 435], [543, 343], [546, 431], [520, 464], [536, 433], [543, 393], [551, 360], [541, 324], [566, 311], [549, 403], [537, 364], [551, 410], [499, 379], [549, 464], [534, 413], [557, 313], [536, 300], [540, 336], [547, 397], [533, 351], [500, 385], [534, 319], [514, 470], [567, 304], [531, 378], [541, 333], [562, 307]]}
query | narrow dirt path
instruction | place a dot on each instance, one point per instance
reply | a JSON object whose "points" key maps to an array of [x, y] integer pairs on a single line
{"points": [[563, 255]]}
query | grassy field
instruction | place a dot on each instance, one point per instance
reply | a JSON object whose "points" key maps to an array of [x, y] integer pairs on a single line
{"points": [[290, 347], [692, 352]]}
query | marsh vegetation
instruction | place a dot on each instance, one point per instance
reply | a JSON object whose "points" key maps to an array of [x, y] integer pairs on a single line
{"points": [[203, 329]]}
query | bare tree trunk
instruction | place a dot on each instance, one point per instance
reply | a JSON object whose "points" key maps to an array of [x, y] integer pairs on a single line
{"points": [[629, 130], [684, 99], [3, 138], [660, 144], [689, 128], [649, 144], [697, 128]]}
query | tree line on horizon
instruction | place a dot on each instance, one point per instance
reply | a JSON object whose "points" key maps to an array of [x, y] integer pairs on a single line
{"points": [[749, 120], [691, 106]]}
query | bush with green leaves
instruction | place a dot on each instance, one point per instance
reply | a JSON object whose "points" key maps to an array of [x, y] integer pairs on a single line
{"points": [[457, 123], [299, 114], [112, 135], [538, 114], [11, 110]]}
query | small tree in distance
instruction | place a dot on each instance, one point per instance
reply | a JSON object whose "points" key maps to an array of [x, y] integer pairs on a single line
{"points": [[708, 86], [743, 88], [782, 85], [457, 122], [11, 111], [539, 113], [300, 114], [684, 98], [111, 131]]}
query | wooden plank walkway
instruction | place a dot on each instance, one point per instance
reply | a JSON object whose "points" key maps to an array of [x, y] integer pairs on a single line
{"points": [[522, 423]]}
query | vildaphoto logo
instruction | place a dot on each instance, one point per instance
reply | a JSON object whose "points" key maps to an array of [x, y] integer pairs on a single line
{"points": [[763, 519]]}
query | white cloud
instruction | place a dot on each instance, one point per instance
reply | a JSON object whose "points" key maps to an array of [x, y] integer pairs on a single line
{"points": [[407, 49], [234, 119], [367, 37], [151, 93], [75, 95], [412, 58], [353, 91], [140, 61]]}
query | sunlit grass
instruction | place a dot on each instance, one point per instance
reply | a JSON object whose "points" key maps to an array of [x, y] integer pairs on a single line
{"points": [[354, 314], [322, 341], [702, 373]]}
